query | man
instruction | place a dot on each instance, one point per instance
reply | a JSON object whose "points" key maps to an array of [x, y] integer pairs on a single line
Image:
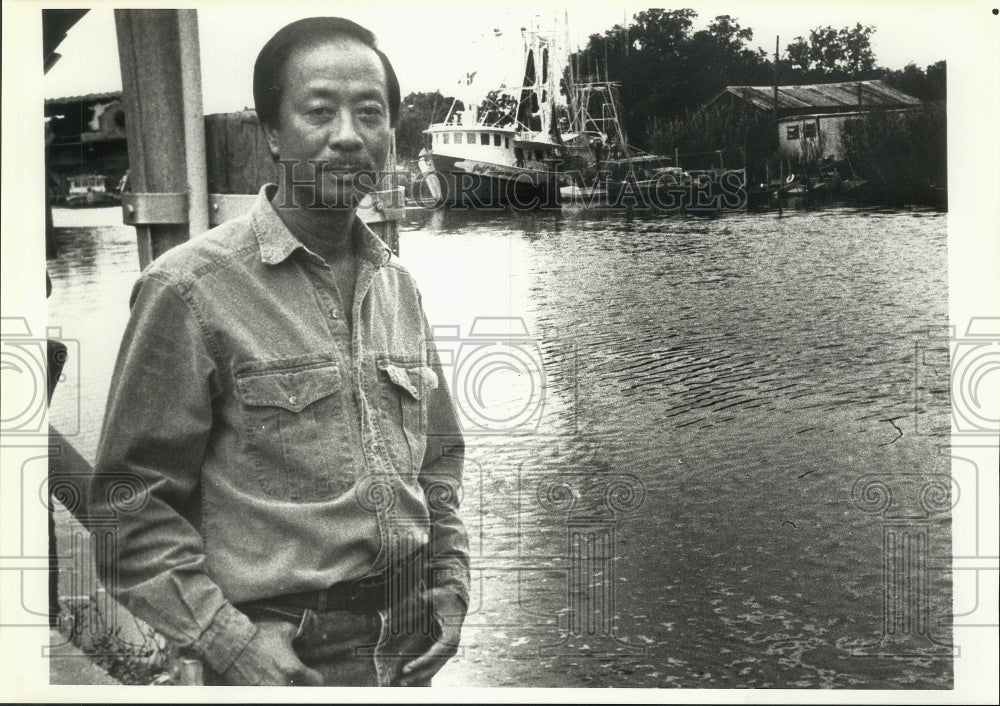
{"points": [[275, 398]]}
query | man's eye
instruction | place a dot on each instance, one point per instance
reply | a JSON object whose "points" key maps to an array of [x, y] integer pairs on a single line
{"points": [[371, 111], [320, 112]]}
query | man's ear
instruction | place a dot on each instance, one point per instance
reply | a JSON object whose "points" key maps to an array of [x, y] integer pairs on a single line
{"points": [[272, 140]]}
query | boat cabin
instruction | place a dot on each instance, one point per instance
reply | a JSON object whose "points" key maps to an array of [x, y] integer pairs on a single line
{"points": [[495, 145], [82, 184]]}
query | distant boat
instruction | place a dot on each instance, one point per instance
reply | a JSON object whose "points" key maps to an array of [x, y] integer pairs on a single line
{"points": [[621, 175], [508, 148], [89, 190]]}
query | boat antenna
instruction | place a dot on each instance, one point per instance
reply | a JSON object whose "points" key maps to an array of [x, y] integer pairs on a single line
{"points": [[606, 56], [777, 40], [434, 108], [625, 26]]}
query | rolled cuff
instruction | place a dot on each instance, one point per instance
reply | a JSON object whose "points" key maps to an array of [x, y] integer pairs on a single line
{"points": [[225, 638], [457, 580]]}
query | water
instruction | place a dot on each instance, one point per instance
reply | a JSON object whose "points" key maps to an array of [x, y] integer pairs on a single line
{"points": [[698, 398]]}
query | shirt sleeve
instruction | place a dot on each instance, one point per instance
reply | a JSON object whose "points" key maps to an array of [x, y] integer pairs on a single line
{"points": [[156, 430], [441, 478]]}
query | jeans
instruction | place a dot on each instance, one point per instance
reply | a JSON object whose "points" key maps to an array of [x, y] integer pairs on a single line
{"points": [[354, 649]]}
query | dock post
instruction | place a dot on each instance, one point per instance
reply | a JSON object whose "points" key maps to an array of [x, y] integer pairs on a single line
{"points": [[161, 92]]}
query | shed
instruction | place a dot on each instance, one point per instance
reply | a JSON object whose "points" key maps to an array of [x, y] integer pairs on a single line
{"points": [[810, 117]]}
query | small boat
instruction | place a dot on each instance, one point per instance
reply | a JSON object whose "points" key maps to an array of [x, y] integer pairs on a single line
{"points": [[89, 190]]}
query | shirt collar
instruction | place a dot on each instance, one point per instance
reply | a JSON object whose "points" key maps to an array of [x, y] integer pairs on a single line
{"points": [[277, 242]]}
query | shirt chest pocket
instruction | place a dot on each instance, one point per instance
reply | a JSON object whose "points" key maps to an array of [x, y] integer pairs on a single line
{"points": [[404, 388], [297, 438]]}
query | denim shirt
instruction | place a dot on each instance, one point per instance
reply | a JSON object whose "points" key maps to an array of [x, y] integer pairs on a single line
{"points": [[280, 450]]}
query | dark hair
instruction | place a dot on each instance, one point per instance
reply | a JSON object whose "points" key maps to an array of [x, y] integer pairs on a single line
{"points": [[269, 68]]}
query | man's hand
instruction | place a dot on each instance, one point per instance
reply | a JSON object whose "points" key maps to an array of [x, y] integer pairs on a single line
{"points": [[420, 670], [269, 660]]}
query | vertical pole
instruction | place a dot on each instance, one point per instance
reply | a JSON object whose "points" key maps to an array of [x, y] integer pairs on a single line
{"points": [[781, 184], [625, 27], [194, 122], [777, 39], [388, 202], [781, 168], [150, 54]]}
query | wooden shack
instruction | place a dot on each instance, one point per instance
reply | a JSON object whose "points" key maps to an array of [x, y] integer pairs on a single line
{"points": [[810, 118]]}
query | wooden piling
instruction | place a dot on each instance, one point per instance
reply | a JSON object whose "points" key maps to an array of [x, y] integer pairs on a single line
{"points": [[153, 87]]}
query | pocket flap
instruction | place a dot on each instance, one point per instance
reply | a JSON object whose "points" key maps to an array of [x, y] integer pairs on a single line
{"points": [[418, 380], [293, 390]]}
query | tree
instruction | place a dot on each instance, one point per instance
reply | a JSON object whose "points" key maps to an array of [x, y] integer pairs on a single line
{"points": [[667, 70], [832, 54], [937, 84], [719, 56], [416, 113], [926, 85]]}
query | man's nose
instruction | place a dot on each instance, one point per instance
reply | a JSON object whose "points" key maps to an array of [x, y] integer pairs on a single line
{"points": [[344, 134]]}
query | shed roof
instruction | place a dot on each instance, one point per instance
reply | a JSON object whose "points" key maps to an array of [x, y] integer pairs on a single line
{"points": [[823, 96], [87, 97]]}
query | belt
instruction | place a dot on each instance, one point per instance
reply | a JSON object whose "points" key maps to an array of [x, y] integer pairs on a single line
{"points": [[362, 595]]}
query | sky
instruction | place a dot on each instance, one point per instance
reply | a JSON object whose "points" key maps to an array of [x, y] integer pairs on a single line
{"points": [[432, 44]]}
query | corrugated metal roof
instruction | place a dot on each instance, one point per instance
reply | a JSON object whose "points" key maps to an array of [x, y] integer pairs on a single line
{"points": [[825, 96], [84, 98]]}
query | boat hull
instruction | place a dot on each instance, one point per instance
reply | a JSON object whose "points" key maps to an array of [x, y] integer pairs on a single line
{"points": [[479, 184], [92, 200]]}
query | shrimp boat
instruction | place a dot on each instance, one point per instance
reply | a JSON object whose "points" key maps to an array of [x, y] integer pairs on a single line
{"points": [[507, 148], [621, 175], [89, 190]]}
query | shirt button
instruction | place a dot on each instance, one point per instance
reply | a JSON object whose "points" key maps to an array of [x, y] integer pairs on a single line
{"points": [[334, 313], [293, 399]]}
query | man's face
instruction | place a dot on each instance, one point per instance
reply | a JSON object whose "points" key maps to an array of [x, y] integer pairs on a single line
{"points": [[334, 108]]}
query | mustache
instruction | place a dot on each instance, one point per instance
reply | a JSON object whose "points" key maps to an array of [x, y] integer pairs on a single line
{"points": [[359, 171], [344, 165], [332, 166]]}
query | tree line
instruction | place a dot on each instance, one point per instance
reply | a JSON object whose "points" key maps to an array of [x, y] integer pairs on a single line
{"points": [[669, 72]]}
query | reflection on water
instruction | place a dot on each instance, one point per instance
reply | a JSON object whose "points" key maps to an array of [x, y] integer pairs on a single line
{"points": [[729, 379]]}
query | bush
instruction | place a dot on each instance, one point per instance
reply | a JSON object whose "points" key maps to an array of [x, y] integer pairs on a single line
{"points": [[744, 134], [904, 150]]}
